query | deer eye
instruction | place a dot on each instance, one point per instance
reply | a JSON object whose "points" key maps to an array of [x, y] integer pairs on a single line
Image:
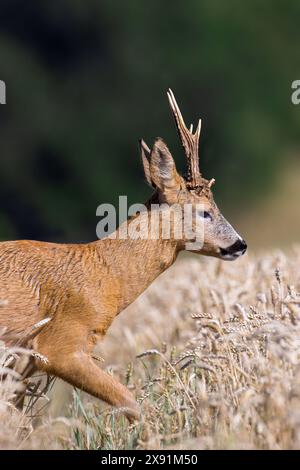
{"points": [[205, 215]]}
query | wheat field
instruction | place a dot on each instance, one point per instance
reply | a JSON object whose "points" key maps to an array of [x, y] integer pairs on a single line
{"points": [[211, 351]]}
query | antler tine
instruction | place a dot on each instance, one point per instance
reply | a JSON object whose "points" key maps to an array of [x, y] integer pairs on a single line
{"points": [[190, 141]]}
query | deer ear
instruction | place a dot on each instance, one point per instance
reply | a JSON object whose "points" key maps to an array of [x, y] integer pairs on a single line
{"points": [[146, 153], [163, 171]]}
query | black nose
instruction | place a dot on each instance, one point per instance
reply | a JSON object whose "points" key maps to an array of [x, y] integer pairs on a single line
{"points": [[238, 248]]}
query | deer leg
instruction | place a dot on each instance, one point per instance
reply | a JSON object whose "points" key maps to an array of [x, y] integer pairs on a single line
{"points": [[25, 367], [79, 369], [27, 372]]}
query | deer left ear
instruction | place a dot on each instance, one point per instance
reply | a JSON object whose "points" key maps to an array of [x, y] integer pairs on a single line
{"points": [[163, 171], [145, 154]]}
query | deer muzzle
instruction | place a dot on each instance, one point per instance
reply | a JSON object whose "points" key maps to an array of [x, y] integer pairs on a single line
{"points": [[234, 251]]}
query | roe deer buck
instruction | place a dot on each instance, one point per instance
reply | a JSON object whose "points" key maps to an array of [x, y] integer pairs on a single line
{"points": [[83, 287]]}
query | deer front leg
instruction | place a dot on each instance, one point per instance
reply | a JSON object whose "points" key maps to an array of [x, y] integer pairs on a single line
{"points": [[78, 369], [68, 360]]}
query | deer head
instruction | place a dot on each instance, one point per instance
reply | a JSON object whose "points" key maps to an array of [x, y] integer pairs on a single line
{"points": [[219, 238]]}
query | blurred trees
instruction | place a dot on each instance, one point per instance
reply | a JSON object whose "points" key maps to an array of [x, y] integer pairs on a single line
{"points": [[86, 80]]}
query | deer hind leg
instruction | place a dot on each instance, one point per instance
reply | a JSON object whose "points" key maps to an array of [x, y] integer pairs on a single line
{"points": [[78, 369]]}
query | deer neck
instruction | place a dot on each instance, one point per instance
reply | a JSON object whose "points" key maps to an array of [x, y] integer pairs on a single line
{"points": [[135, 263]]}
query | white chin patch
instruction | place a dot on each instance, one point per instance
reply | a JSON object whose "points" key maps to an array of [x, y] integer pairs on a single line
{"points": [[232, 257]]}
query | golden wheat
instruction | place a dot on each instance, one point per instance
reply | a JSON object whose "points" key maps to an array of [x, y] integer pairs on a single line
{"points": [[211, 351]]}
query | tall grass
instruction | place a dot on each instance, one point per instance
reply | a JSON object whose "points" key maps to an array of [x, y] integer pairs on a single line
{"points": [[211, 350]]}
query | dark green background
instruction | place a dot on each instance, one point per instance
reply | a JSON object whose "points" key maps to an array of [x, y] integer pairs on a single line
{"points": [[86, 79]]}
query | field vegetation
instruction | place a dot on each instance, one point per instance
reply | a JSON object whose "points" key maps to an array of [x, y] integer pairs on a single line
{"points": [[211, 350]]}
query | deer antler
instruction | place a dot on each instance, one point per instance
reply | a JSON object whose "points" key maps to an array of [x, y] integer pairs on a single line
{"points": [[190, 142]]}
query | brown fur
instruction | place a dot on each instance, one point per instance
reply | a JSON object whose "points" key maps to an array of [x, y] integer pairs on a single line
{"points": [[82, 288]]}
